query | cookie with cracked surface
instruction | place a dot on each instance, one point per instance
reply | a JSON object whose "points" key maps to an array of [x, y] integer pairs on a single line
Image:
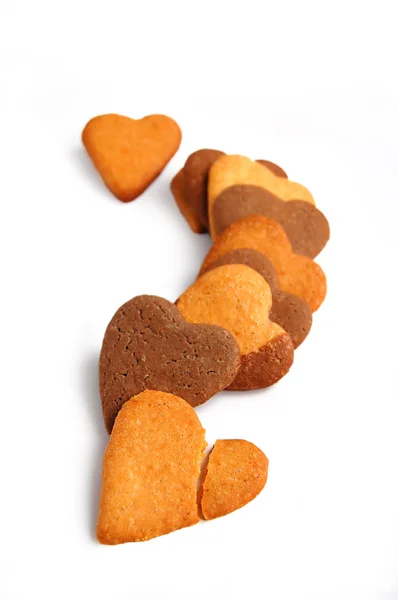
{"points": [[149, 345], [130, 153], [289, 311], [237, 471], [298, 275], [239, 299], [150, 470], [306, 227]]}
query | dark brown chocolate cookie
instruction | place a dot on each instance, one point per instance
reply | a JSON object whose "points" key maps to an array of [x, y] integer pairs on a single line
{"points": [[289, 311], [196, 171], [306, 227], [276, 169], [148, 345], [263, 368]]}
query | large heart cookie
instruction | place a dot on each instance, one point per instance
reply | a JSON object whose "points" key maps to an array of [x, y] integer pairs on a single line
{"points": [[149, 345], [239, 170], [239, 299], [306, 227], [129, 154], [150, 470], [298, 275], [236, 473]]}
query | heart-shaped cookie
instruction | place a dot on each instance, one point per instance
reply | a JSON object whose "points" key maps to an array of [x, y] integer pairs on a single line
{"points": [[149, 345], [129, 154], [150, 470], [236, 473], [196, 171], [239, 170], [306, 227], [289, 311], [239, 299], [298, 275]]}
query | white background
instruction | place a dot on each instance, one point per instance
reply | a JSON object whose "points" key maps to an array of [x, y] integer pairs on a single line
{"points": [[309, 85]]}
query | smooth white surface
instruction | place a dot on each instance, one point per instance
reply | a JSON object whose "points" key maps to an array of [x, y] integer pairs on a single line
{"points": [[310, 85]]}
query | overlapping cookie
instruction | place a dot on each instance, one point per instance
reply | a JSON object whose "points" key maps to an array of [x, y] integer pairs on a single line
{"points": [[298, 275], [232, 170], [149, 345], [238, 298], [289, 311], [306, 227], [189, 186], [151, 470], [184, 204], [129, 154]]}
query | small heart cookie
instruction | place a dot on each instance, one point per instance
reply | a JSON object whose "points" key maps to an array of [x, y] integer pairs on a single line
{"points": [[307, 227], [239, 299], [150, 470], [149, 345], [129, 154], [298, 275], [289, 311], [239, 170], [237, 471]]}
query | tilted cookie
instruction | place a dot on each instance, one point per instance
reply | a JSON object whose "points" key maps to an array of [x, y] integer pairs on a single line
{"points": [[177, 189], [289, 311], [193, 200], [129, 154], [239, 299], [307, 228], [239, 170], [298, 275], [237, 471], [196, 171], [150, 470], [149, 345]]}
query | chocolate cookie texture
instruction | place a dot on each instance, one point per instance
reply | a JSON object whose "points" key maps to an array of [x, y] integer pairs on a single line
{"points": [[149, 345], [306, 227], [289, 311], [183, 203], [196, 171]]}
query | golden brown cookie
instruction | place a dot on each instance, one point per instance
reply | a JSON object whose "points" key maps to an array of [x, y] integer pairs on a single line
{"points": [[196, 170], [307, 228], [129, 154], [237, 471], [239, 299], [149, 345], [150, 470], [289, 311], [298, 275], [239, 170], [177, 189]]}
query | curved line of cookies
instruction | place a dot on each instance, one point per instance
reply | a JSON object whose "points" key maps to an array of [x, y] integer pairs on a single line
{"points": [[236, 327]]}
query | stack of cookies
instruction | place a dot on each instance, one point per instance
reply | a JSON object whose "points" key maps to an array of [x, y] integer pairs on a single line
{"points": [[236, 328]]}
